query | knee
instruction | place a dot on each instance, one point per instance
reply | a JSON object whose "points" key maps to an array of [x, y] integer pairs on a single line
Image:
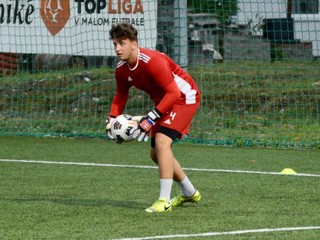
{"points": [[163, 143]]}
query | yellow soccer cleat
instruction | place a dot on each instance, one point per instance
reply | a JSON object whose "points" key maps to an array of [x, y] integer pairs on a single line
{"points": [[180, 199], [160, 206]]}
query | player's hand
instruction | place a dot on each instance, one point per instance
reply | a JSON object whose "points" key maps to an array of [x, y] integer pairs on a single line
{"points": [[141, 132], [109, 121]]}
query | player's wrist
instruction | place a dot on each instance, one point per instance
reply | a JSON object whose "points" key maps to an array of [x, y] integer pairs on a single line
{"points": [[154, 115], [150, 121]]}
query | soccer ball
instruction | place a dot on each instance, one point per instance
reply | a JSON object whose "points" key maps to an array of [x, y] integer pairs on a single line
{"points": [[121, 126]]}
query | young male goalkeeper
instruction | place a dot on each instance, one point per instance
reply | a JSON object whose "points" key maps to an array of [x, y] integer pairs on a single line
{"points": [[176, 98]]}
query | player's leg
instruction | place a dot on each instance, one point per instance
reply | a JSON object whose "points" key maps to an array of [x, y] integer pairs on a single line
{"points": [[188, 191], [178, 173], [162, 155], [180, 177], [163, 135], [169, 170], [181, 117], [165, 164]]}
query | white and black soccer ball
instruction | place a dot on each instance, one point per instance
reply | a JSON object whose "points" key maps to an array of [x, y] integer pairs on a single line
{"points": [[121, 126]]}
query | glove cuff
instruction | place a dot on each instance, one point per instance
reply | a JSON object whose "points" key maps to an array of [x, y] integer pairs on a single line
{"points": [[154, 115]]}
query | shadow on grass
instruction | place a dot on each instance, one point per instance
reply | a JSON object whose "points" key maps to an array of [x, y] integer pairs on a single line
{"points": [[85, 202]]}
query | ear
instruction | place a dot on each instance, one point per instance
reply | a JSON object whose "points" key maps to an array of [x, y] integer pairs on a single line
{"points": [[134, 45]]}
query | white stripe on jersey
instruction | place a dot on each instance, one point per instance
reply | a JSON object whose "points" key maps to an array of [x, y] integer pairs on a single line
{"points": [[186, 89], [120, 63], [143, 57]]}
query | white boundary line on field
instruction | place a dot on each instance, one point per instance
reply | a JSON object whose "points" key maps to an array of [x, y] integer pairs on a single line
{"points": [[210, 234], [154, 167]]}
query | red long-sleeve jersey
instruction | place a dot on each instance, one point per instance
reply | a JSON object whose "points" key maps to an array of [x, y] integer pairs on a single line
{"points": [[157, 75]]}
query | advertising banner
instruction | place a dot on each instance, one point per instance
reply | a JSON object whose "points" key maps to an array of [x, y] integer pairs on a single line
{"points": [[75, 27]]}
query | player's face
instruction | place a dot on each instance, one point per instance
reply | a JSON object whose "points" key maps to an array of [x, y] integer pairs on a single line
{"points": [[125, 50]]}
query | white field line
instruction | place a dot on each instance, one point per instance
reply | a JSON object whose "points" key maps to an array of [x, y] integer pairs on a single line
{"points": [[210, 234], [153, 167]]}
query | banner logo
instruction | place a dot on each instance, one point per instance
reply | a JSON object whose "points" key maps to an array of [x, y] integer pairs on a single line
{"points": [[55, 14]]}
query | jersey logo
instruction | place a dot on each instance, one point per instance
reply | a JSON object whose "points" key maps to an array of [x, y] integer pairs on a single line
{"points": [[130, 79], [167, 122]]}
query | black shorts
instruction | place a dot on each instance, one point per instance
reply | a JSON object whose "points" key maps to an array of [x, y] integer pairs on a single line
{"points": [[171, 133]]}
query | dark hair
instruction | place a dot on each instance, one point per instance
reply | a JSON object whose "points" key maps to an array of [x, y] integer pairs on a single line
{"points": [[122, 31]]}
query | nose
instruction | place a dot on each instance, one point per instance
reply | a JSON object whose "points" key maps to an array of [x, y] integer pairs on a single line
{"points": [[117, 47]]}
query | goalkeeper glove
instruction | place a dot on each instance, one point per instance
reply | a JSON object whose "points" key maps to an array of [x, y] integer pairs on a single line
{"points": [[146, 123], [109, 121]]}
